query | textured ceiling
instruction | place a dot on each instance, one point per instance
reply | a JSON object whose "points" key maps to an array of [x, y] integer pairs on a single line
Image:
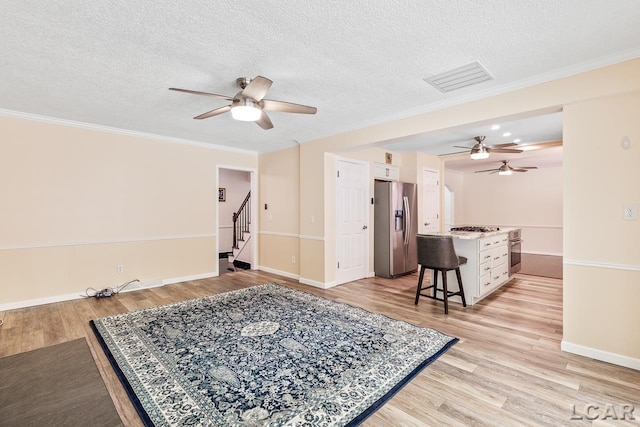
{"points": [[359, 62]]}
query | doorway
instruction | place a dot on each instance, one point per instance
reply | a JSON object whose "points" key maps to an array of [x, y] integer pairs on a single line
{"points": [[236, 239], [449, 208]]}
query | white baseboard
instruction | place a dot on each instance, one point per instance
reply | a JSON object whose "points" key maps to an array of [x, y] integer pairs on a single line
{"points": [[40, 301], [279, 272], [317, 284], [542, 253], [605, 356], [189, 278], [77, 295], [302, 280]]}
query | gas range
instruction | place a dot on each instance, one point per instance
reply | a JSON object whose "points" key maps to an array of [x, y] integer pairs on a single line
{"points": [[476, 229]]}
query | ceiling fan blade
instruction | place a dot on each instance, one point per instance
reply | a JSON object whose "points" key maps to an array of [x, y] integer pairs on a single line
{"points": [[454, 153], [195, 92], [504, 150], [287, 107], [528, 167], [489, 170], [540, 145], [257, 88], [264, 122], [459, 146], [214, 112], [519, 170], [506, 144]]}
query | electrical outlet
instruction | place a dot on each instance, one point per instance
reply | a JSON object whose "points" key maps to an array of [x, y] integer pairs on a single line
{"points": [[120, 268], [630, 212], [293, 260]]}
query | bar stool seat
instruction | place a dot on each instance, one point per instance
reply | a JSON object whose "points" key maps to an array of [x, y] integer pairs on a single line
{"points": [[438, 254]]}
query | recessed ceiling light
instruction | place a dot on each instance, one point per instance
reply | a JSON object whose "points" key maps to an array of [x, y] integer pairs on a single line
{"points": [[506, 134], [495, 127], [517, 140]]}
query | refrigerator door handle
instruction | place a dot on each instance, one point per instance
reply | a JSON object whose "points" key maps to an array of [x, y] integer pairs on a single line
{"points": [[407, 220]]}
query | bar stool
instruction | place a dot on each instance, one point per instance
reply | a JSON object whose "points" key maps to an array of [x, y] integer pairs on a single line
{"points": [[438, 254]]}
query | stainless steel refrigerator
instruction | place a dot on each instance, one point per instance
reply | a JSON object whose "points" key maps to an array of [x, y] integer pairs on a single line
{"points": [[395, 228]]}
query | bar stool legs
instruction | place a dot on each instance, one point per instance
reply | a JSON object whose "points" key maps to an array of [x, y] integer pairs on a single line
{"points": [[464, 302], [445, 291], [420, 284]]}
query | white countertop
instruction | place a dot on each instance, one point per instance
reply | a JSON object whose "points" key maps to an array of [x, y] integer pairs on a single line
{"points": [[470, 235]]}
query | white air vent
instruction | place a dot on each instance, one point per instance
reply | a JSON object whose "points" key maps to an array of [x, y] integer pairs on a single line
{"points": [[460, 77]]}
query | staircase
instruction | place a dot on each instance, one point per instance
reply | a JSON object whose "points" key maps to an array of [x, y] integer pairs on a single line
{"points": [[241, 234], [234, 263]]}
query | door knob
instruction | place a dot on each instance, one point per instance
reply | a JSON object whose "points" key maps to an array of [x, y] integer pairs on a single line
{"points": [[426, 223], [364, 227]]}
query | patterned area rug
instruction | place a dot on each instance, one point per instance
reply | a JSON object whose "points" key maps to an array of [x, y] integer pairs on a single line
{"points": [[265, 355]]}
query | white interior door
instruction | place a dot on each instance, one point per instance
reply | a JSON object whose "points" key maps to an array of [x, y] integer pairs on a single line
{"points": [[352, 194], [430, 201]]}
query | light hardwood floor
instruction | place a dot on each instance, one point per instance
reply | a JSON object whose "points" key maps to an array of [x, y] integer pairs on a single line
{"points": [[506, 370]]}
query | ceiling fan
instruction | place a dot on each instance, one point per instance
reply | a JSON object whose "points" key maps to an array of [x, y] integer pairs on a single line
{"points": [[481, 151], [505, 169], [249, 104]]}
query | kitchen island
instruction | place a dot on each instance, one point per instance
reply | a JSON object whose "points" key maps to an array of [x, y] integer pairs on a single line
{"points": [[487, 267]]}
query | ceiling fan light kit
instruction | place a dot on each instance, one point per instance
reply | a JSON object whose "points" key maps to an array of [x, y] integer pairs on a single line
{"points": [[245, 110], [480, 153], [248, 105]]}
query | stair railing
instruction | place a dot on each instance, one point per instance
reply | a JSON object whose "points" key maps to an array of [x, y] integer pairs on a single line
{"points": [[241, 220]]}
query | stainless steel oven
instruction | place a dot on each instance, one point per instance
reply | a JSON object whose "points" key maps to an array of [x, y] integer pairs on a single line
{"points": [[515, 251]]}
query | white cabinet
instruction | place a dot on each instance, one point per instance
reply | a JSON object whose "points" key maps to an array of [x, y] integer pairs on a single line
{"points": [[487, 266], [386, 172]]}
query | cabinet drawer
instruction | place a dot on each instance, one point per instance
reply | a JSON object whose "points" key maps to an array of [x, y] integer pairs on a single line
{"points": [[485, 267], [485, 256], [499, 274], [499, 255], [486, 243], [485, 283]]}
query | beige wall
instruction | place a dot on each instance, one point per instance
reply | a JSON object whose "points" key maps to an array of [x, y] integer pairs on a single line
{"points": [[78, 202], [602, 251], [279, 224], [531, 201], [548, 97]]}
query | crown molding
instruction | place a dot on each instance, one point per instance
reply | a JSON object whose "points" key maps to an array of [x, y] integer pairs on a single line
{"points": [[100, 128]]}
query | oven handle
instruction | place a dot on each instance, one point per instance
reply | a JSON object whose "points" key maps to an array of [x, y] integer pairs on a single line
{"points": [[516, 242]]}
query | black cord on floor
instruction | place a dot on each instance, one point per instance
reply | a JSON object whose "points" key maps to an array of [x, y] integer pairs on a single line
{"points": [[106, 292]]}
